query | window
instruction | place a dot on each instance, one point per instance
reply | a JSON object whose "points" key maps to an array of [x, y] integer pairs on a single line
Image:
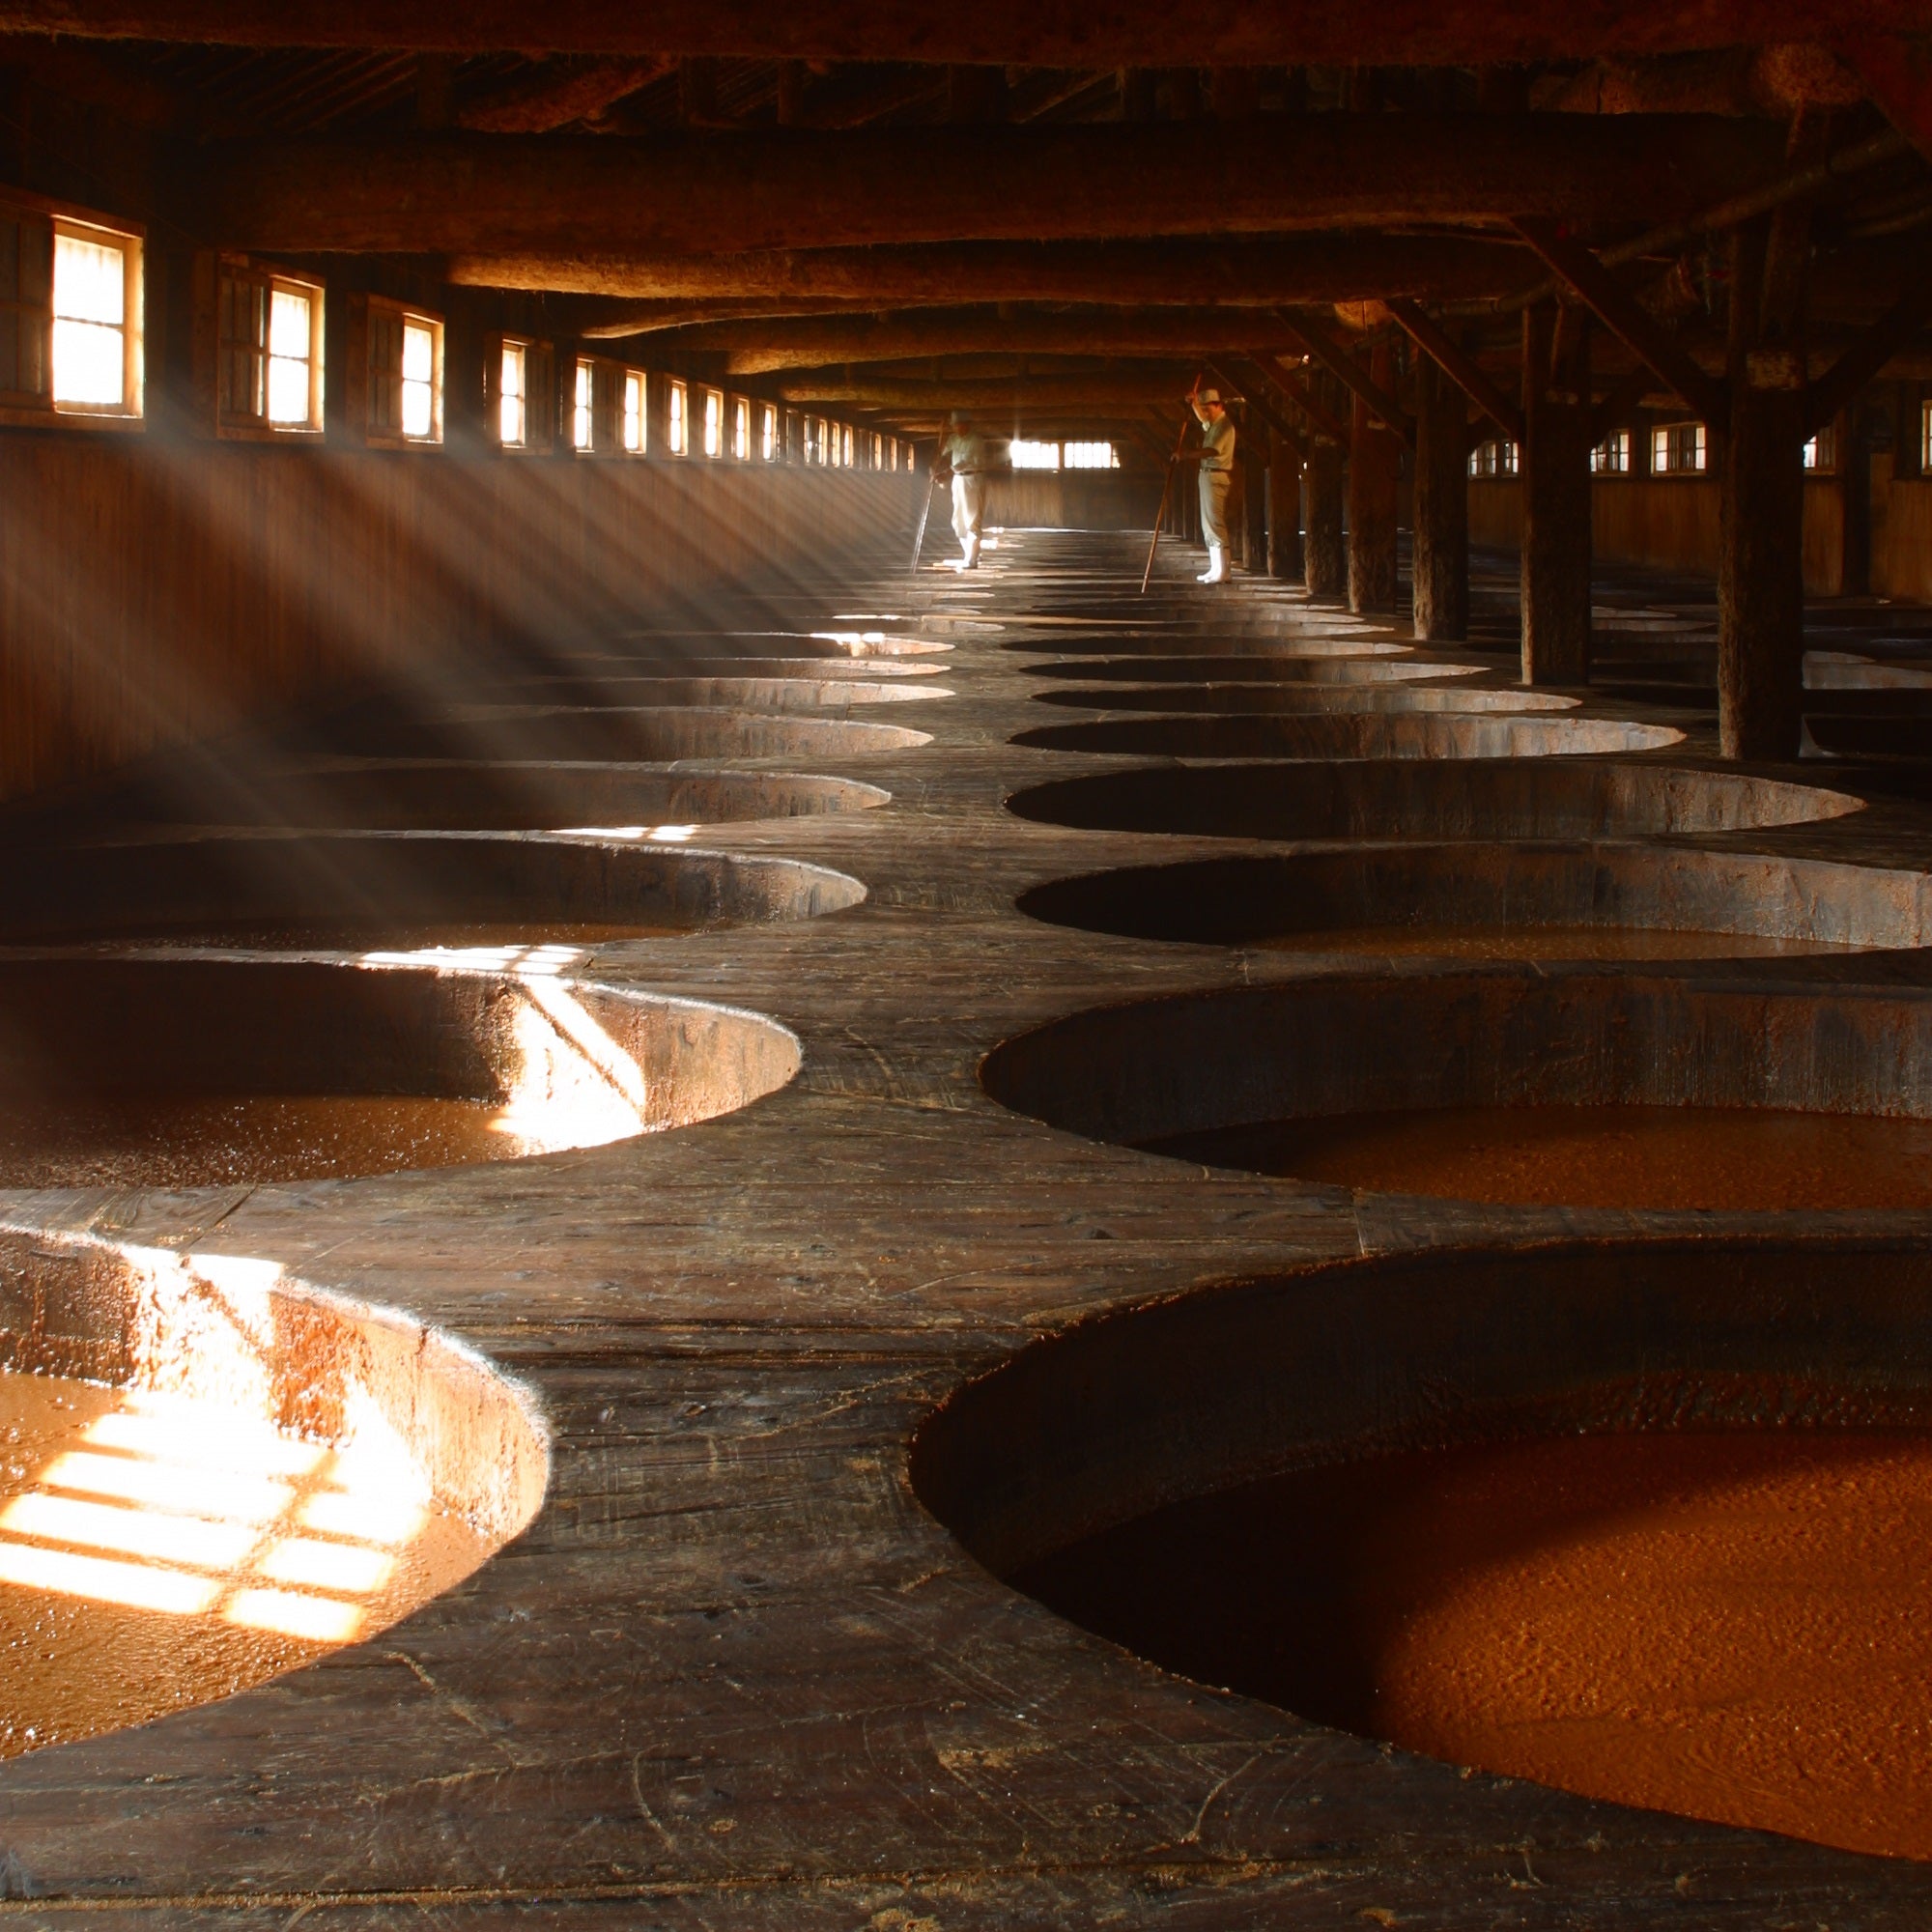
{"points": [[741, 428], [1090, 456], [519, 394], [1494, 458], [96, 297], [401, 362], [845, 446], [513, 397], [635, 432], [583, 408], [71, 307], [675, 426], [267, 372], [814, 432], [1680, 448], [1925, 437], [768, 432], [1612, 456], [1821, 453], [1028, 454], [714, 423]]}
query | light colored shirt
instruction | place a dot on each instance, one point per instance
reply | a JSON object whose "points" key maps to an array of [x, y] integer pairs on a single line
{"points": [[1217, 443], [965, 451]]}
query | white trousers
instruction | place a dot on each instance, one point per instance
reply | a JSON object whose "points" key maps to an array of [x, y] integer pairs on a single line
{"points": [[1214, 487], [969, 499]]}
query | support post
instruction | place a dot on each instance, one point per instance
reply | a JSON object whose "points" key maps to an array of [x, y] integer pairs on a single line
{"points": [[1441, 543], [1255, 463], [1283, 512], [1761, 526], [1324, 557], [1557, 538], [1375, 475]]}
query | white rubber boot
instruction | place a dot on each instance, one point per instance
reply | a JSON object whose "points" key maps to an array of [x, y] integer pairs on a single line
{"points": [[1217, 566], [971, 561]]}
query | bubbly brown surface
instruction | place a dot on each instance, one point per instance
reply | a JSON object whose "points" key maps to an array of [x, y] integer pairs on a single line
{"points": [[1743, 1158], [1540, 942], [157, 1553], [158, 1140], [1729, 1625]]}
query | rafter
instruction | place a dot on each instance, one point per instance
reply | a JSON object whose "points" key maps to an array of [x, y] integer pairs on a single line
{"points": [[557, 99], [1459, 366], [1317, 342], [1829, 392]]}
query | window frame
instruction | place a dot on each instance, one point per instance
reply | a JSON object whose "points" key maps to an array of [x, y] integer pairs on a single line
{"points": [[364, 312], [677, 416], [214, 273], [539, 393], [1669, 440], [30, 409], [1821, 451], [629, 376], [1617, 443]]}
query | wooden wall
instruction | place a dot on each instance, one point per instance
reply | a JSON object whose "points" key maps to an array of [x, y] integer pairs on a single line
{"points": [[152, 591], [1902, 539], [1073, 499], [1670, 523]]}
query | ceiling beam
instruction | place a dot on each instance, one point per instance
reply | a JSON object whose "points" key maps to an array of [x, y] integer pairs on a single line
{"points": [[557, 99], [753, 347], [1316, 340], [794, 189], [1036, 33], [1459, 366], [1313, 269], [1020, 395]]}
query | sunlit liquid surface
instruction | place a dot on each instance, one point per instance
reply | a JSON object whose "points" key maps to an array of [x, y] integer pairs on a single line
{"points": [[1741, 1158], [1727, 1624], [156, 1552], [165, 1140], [1539, 941]]}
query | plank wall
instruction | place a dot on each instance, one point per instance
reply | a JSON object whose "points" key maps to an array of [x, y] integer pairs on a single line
{"points": [[152, 591]]}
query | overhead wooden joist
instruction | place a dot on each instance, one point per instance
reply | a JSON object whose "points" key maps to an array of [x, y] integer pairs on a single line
{"points": [[794, 189], [1044, 32], [754, 348], [1315, 341], [1462, 368], [1035, 394], [1236, 273]]}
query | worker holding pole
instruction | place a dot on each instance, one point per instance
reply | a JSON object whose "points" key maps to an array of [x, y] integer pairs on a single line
{"points": [[963, 456], [1216, 458]]}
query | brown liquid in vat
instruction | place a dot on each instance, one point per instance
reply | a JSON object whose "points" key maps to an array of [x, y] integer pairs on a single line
{"points": [[160, 1140], [1540, 942], [157, 1553], [1728, 1625], [1740, 1158], [391, 936]]}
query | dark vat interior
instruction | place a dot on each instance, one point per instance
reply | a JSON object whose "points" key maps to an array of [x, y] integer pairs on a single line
{"points": [[359, 891], [196, 1072], [1559, 1085], [1422, 799], [1263, 701], [1645, 1522], [1501, 901], [541, 731], [1353, 736]]}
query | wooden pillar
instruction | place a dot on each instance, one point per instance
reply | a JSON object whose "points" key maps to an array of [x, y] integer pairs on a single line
{"points": [[1556, 545], [1283, 512], [1441, 552], [1761, 526], [1375, 477], [1325, 560], [1854, 496], [1255, 462]]}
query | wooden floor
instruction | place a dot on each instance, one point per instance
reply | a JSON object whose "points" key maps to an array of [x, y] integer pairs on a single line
{"points": [[734, 1675]]}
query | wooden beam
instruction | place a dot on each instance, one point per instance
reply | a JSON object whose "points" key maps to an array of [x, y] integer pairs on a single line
{"points": [[1035, 394], [757, 349], [1296, 386], [1033, 33], [795, 189], [1240, 273], [1861, 363], [1898, 73], [1260, 405], [1317, 342], [1620, 312], [1614, 411], [557, 99], [1462, 368], [97, 80]]}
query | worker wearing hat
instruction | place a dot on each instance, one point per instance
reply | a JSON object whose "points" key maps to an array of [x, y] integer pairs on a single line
{"points": [[963, 455], [1216, 458]]}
